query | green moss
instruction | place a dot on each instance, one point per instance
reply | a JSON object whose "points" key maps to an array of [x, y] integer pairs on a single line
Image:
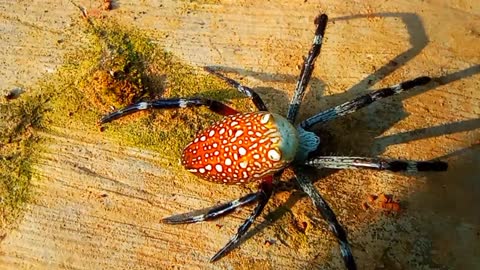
{"points": [[112, 66], [115, 49], [115, 66], [18, 141]]}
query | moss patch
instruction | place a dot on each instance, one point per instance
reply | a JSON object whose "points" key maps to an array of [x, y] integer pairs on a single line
{"points": [[118, 66], [116, 72], [18, 141], [115, 66]]}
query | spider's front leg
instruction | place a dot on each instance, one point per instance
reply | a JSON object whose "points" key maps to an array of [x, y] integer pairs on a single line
{"points": [[256, 99], [307, 69], [175, 103], [262, 196], [171, 103], [362, 101], [305, 184]]}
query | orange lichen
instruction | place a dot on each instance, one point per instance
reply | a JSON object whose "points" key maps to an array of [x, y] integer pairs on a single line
{"points": [[383, 201], [107, 5], [384, 198], [391, 206], [365, 206], [372, 198], [104, 90]]}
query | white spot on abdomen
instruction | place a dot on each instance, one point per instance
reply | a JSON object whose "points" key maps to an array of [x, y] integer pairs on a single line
{"points": [[243, 164], [274, 155], [265, 118]]}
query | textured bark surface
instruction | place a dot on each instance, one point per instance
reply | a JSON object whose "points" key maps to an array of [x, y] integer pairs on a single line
{"points": [[98, 205]]}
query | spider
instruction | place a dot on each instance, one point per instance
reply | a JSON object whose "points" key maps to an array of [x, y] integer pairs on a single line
{"points": [[258, 146]]}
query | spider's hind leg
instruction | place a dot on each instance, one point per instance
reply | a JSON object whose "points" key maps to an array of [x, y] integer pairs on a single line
{"points": [[249, 92], [265, 191], [211, 212], [261, 196], [329, 216]]}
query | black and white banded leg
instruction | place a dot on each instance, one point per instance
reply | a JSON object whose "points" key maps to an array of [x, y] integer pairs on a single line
{"points": [[261, 197], [307, 68], [336, 162], [212, 212], [362, 101], [249, 92], [171, 103], [305, 184], [329, 216], [266, 189]]}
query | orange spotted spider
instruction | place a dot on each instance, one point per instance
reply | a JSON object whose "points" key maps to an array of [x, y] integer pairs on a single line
{"points": [[258, 146]]}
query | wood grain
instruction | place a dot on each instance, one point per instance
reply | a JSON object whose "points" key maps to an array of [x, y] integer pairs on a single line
{"points": [[97, 205]]}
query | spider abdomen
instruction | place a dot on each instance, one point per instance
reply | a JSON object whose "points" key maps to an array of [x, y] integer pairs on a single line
{"points": [[242, 148]]}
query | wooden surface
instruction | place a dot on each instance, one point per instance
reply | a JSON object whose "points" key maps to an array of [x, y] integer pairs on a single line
{"points": [[98, 206]]}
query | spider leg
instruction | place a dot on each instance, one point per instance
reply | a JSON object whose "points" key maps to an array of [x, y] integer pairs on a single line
{"points": [[329, 216], [335, 162], [362, 101], [307, 68], [265, 191], [241, 88], [172, 103], [212, 212]]}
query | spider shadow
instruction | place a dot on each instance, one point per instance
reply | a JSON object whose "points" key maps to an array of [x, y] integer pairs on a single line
{"points": [[418, 40], [446, 203], [461, 168], [366, 133], [368, 139], [365, 122], [455, 197]]}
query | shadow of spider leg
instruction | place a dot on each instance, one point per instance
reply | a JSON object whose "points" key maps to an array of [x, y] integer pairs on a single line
{"points": [[356, 162], [335, 162]]}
